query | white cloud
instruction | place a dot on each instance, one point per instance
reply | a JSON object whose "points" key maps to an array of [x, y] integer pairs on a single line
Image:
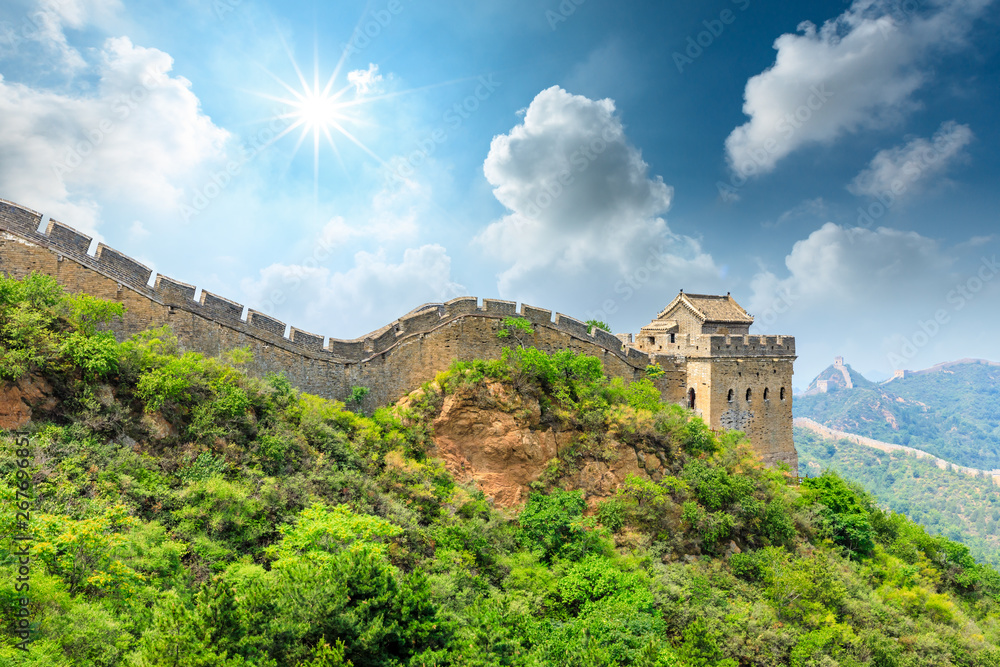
{"points": [[858, 70], [365, 80], [584, 211], [45, 22], [903, 169], [861, 293], [140, 135], [347, 304], [392, 215]]}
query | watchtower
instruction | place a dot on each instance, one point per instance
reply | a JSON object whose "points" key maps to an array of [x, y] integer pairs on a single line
{"points": [[734, 380]]}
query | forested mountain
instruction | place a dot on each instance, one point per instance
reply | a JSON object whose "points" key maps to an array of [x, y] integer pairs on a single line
{"points": [[175, 511], [951, 411], [958, 506]]}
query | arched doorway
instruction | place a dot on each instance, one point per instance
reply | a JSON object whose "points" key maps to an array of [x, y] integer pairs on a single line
{"points": [[691, 398]]}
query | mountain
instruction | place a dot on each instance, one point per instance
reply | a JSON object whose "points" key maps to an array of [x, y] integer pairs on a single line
{"points": [[837, 376], [957, 505], [951, 410], [165, 508]]}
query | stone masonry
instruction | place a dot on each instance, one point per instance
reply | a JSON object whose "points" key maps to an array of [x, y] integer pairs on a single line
{"points": [[734, 380], [402, 355]]}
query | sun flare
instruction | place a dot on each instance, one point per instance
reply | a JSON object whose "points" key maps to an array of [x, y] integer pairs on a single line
{"points": [[318, 111], [322, 111]]}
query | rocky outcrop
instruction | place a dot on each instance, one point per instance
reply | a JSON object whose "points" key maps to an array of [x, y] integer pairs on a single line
{"points": [[20, 400], [497, 441]]}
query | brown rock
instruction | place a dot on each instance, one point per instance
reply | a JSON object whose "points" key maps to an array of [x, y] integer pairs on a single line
{"points": [[20, 399], [495, 449], [502, 451], [158, 426]]}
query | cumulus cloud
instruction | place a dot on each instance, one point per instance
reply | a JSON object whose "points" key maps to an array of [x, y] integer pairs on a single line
{"points": [[140, 134], [347, 304], [365, 80], [863, 293], [904, 169], [858, 70], [584, 212]]}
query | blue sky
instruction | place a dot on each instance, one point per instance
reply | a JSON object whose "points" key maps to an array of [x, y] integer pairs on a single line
{"points": [[833, 166]]}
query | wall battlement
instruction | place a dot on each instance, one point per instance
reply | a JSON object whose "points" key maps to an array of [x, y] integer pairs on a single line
{"points": [[751, 346], [132, 274], [136, 276], [392, 360]]}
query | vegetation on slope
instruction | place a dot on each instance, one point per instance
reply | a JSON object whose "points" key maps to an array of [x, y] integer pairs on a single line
{"points": [[186, 514], [960, 507], [953, 413]]}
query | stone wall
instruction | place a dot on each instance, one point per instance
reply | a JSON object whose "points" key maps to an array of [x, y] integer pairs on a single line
{"points": [[721, 389], [390, 361], [402, 355]]}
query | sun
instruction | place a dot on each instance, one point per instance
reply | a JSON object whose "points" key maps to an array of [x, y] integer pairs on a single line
{"points": [[322, 111], [318, 110]]}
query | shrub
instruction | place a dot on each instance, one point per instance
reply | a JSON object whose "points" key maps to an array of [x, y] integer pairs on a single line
{"points": [[96, 354], [86, 312], [597, 324], [555, 524], [844, 510]]}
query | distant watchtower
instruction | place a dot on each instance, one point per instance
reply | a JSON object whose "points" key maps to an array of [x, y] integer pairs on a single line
{"points": [[734, 380]]}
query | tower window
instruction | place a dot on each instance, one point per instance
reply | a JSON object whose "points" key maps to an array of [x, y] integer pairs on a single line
{"points": [[730, 397], [782, 393], [749, 391], [765, 393], [673, 338], [691, 398]]}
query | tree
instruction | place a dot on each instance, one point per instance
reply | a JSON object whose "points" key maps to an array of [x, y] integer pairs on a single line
{"points": [[597, 324], [517, 328]]}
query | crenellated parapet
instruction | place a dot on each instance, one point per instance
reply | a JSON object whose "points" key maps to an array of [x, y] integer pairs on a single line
{"points": [[68, 239], [19, 220], [749, 346], [179, 296], [738, 381]]}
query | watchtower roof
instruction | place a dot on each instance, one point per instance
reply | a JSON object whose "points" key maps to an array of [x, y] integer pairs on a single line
{"points": [[709, 308], [661, 326]]}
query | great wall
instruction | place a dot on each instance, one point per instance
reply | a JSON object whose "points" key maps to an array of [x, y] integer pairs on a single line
{"points": [[409, 351], [890, 447]]}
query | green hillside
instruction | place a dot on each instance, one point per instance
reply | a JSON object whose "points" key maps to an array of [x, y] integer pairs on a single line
{"points": [[955, 505], [182, 513], [952, 412]]}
